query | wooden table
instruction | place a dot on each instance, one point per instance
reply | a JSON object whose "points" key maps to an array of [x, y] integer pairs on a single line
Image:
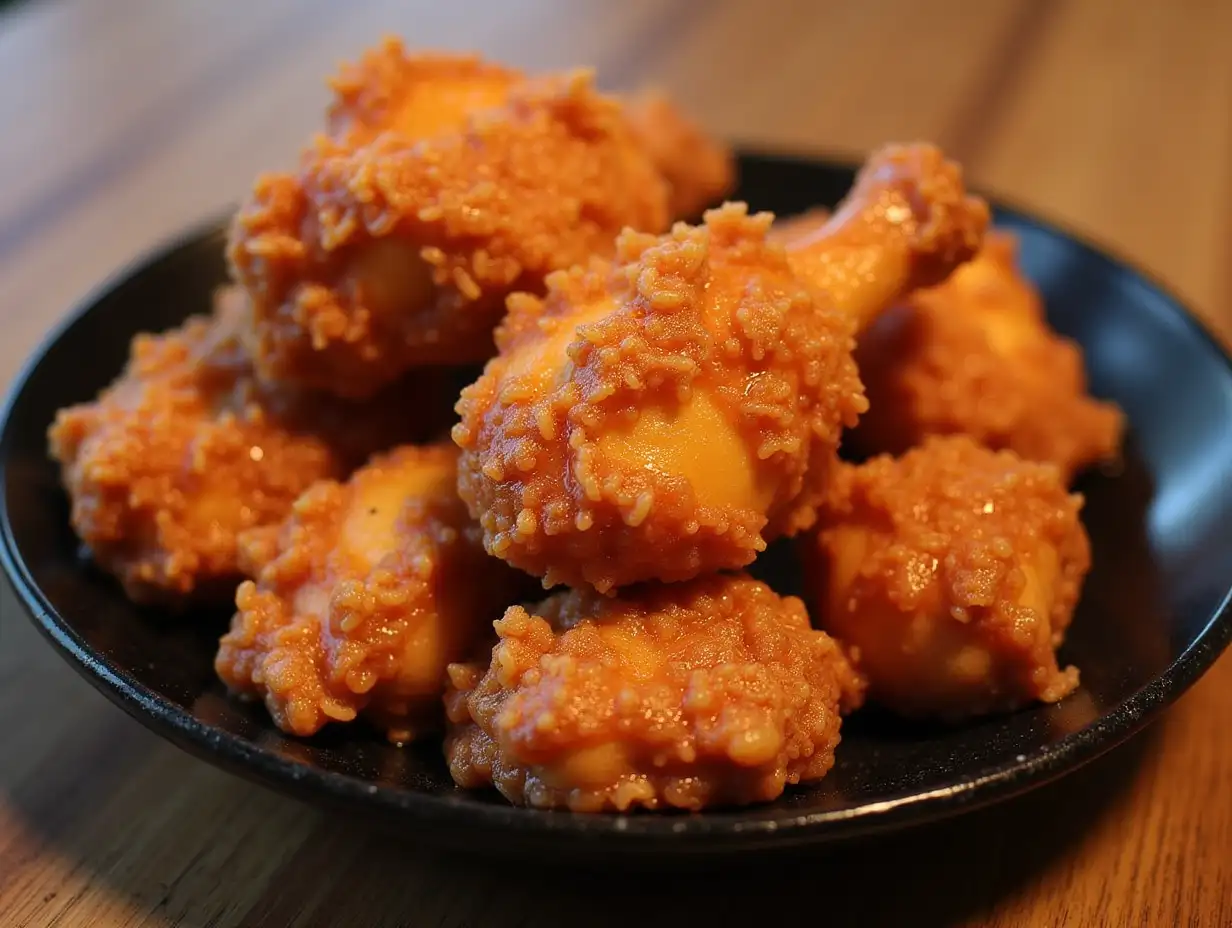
{"points": [[126, 120]]}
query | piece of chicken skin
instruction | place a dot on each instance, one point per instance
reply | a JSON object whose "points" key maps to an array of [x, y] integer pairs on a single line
{"points": [[707, 693], [668, 415], [907, 223], [386, 250], [363, 596], [416, 96], [802, 227], [187, 448], [975, 356], [951, 574]]}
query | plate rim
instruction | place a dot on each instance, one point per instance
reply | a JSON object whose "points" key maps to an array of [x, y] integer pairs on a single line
{"points": [[708, 833]]}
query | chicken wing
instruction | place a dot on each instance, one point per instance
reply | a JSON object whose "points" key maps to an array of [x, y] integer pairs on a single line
{"points": [[976, 356], [712, 692], [187, 449], [952, 574], [363, 596], [666, 415], [398, 238], [907, 223]]}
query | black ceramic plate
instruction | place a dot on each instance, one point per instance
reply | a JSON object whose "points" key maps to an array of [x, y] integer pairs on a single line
{"points": [[1154, 615]]}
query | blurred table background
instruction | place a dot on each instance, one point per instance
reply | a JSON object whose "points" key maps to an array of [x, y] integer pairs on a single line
{"points": [[127, 120]]}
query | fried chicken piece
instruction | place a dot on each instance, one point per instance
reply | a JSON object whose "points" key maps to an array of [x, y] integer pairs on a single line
{"points": [[907, 223], [374, 258], [363, 596], [699, 169], [416, 96], [667, 415], [976, 356], [187, 449], [952, 574], [713, 692]]}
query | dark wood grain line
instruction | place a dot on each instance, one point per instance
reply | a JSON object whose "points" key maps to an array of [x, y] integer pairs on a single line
{"points": [[244, 64], [978, 118], [55, 799], [307, 876]]}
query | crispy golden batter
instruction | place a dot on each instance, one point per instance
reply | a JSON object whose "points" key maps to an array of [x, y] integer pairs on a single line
{"points": [[186, 449], [369, 260], [656, 419], [952, 573], [975, 356], [713, 692], [907, 223], [667, 416], [699, 169], [363, 596], [416, 96]]}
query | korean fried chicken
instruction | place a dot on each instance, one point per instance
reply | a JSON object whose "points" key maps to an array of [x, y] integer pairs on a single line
{"points": [[187, 449], [699, 169], [907, 223], [975, 356], [668, 414], [363, 596], [446, 184], [712, 692], [415, 96], [951, 573]]}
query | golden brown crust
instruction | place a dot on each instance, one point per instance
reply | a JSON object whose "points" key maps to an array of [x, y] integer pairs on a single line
{"points": [[415, 95], [975, 356], [362, 597], [369, 260], [187, 449], [656, 419], [699, 169], [952, 574], [713, 692]]}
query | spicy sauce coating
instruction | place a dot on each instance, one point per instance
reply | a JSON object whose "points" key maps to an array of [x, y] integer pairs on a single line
{"points": [[362, 597], [975, 356], [952, 574], [656, 418], [371, 259], [188, 448], [713, 692]]}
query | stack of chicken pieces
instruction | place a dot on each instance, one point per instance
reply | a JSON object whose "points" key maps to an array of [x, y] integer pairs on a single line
{"points": [[658, 402]]}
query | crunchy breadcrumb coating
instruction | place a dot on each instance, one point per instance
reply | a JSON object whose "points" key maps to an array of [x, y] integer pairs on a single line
{"points": [[975, 356], [656, 419], [371, 259], [418, 95], [907, 223], [669, 415], [187, 449], [415, 95], [952, 574], [713, 692], [363, 596], [700, 169]]}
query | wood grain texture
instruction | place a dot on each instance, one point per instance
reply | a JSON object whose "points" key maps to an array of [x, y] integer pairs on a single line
{"points": [[130, 119]]}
